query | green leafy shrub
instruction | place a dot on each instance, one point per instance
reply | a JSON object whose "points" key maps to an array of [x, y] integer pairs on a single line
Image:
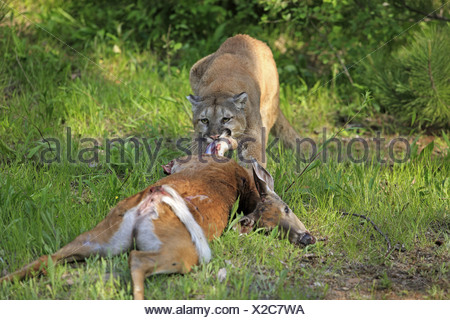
{"points": [[320, 43], [162, 26]]}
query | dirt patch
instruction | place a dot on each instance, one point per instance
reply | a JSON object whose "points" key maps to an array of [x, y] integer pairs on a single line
{"points": [[417, 274]]}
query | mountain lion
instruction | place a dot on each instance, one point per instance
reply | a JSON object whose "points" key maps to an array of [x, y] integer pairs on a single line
{"points": [[236, 91]]}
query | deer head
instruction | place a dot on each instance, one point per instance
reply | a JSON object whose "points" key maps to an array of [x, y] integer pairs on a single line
{"points": [[271, 211]]}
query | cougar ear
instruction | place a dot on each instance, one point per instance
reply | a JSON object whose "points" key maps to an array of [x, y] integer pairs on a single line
{"points": [[240, 99], [263, 180], [195, 101]]}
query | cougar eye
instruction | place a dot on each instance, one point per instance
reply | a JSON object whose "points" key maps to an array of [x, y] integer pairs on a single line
{"points": [[204, 121], [225, 119], [286, 209]]}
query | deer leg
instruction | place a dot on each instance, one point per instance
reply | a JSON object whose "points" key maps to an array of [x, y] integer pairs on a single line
{"points": [[167, 260]]}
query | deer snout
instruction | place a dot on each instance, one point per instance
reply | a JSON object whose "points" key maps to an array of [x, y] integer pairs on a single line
{"points": [[167, 168], [307, 239]]}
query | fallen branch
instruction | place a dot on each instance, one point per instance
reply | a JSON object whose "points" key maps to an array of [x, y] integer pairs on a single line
{"points": [[389, 247]]}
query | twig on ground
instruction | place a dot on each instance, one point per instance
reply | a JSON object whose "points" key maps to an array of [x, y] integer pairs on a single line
{"points": [[389, 247]]}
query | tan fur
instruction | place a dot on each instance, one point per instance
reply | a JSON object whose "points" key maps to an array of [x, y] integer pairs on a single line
{"points": [[209, 188], [241, 64]]}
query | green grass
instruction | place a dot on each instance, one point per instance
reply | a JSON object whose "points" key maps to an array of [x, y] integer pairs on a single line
{"points": [[45, 87]]}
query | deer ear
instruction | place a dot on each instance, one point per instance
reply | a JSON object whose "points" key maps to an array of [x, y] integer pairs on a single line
{"points": [[263, 179], [195, 101]]}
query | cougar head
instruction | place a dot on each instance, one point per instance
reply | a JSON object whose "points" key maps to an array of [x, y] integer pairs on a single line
{"points": [[216, 115]]}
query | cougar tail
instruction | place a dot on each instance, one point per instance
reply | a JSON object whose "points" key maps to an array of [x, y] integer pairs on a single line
{"points": [[283, 130]]}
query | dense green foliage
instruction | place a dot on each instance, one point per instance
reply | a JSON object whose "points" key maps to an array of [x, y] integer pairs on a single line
{"points": [[71, 70], [313, 41]]}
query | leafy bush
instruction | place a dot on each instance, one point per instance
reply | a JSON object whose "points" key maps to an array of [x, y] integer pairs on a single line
{"points": [[313, 42], [156, 25]]}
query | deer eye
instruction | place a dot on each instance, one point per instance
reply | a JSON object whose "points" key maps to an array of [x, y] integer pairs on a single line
{"points": [[225, 119], [286, 209], [204, 121]]}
